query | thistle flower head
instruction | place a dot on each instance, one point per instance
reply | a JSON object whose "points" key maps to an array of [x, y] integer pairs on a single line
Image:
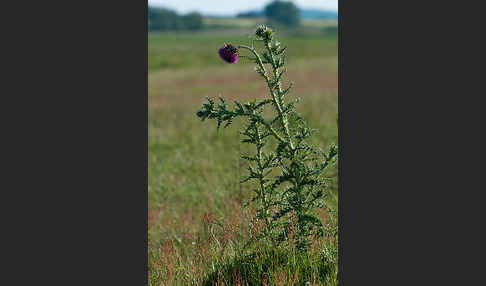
{"points": [[229, 53]]}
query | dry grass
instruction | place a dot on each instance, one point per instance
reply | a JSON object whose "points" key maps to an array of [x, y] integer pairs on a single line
{"points": [[197, 243], [191, 85]]}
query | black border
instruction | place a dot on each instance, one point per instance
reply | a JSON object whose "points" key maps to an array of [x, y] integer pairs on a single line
{"points": [[79, 144], [399, 94]]}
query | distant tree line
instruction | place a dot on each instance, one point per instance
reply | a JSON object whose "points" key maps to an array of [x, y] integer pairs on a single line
{"points": [[161, 19], [280, 13], [250, 14], [277, 12]]}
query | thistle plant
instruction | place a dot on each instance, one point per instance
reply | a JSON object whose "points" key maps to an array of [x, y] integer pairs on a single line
{"points": [[286, 168]]}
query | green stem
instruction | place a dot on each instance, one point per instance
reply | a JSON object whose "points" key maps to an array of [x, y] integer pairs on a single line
{"points": [[266, 124], [276, 102], [279, 106], [263, 197], [279, 138]]}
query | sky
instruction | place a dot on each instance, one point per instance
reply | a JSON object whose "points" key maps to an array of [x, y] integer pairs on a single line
{"points": [[232, 7]]}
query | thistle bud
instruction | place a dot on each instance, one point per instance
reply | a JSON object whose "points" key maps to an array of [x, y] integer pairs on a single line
{"points": [[264, 32], [229, 53]]}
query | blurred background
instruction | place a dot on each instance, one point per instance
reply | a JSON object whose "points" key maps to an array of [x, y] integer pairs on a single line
{"points": [[194, 170]]}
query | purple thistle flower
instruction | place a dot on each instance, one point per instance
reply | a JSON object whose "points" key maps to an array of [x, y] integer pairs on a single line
{"points": [[229, 53]]}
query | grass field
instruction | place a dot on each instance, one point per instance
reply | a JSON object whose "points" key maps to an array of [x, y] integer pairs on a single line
{"points": [[185, 50], [197, 225]]}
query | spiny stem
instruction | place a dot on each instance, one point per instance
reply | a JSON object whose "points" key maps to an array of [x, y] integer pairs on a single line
{"points": [[279, 105], [260, 179], [276, 102], [274, 133]]}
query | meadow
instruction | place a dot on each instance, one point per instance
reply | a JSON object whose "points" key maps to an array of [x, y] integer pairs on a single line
{"points": [[197, 223]]}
